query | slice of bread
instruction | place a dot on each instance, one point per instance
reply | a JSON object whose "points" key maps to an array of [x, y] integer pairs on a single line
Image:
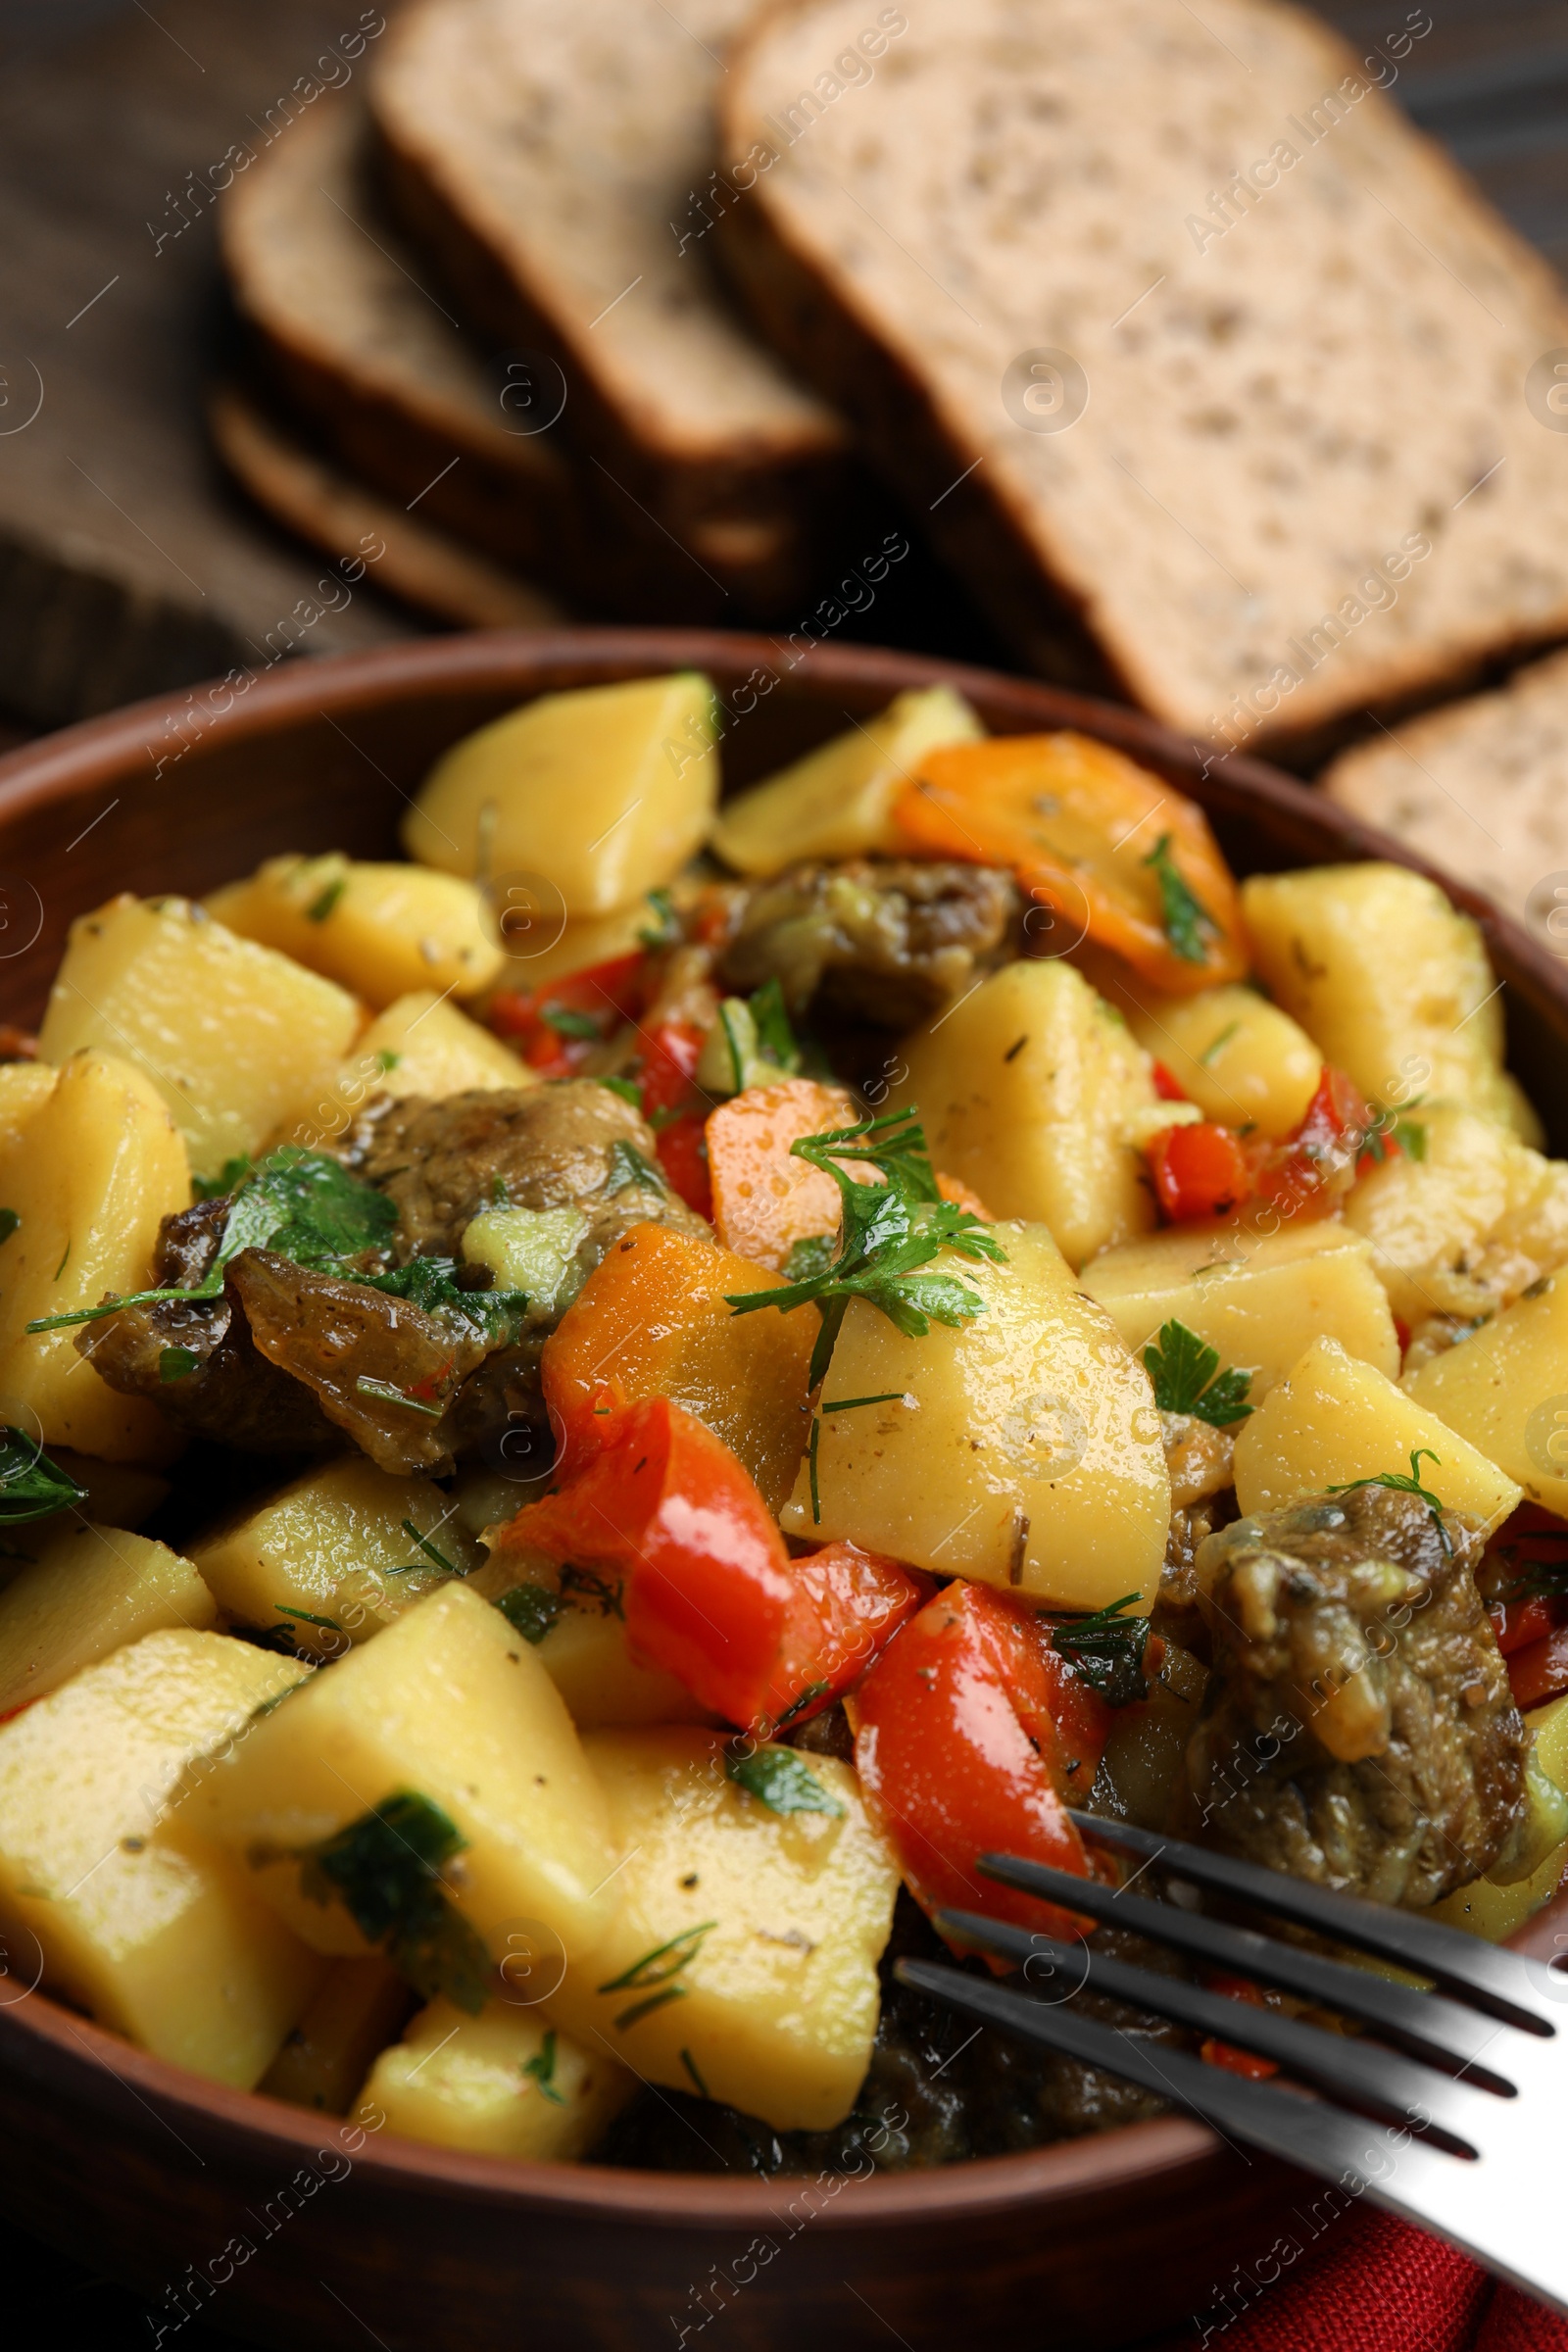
{"points": [[550, 155], [1288, 343], [1479, 789], [362, 345], [418, 563]]}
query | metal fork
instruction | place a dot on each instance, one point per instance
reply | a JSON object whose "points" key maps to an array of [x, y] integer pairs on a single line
{"points": [[1469, 2080]]}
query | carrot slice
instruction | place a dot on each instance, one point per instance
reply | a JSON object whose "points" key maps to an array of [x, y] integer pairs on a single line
{"points": [[764, 1201], [1103, 842]]}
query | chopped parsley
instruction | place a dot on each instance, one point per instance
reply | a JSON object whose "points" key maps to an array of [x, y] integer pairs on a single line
{"points": [[385, 1868], [690, 2064], [531, 1610], [1217, 1044], [176, 1363], [797, 1707], [1106, 1652], [852, 1404], [308, 1617], [628, 1166], [1186, 1378], [430, 1283], [662, 928], [32, 1486], [302, 1205], [567, 1021], [1407, 1484], [386, 1060], [890, 1230], [658, 1968], [321, 908], [627, 1089], [779, 1778], [810, 1257], [1184, 919], [771, 1022], [231, 1176], [541, 2067], [423, 1544]]}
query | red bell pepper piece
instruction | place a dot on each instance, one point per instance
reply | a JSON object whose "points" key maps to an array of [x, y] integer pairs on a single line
{"points": [[1520, 1623], [682, 1148], [669, 1052], [959, 1754], [1225, 2053], [710, 1592], [1199, 1171], [588, 1006], [1166, 1087], [1310, 1171], [1540, 1671]]}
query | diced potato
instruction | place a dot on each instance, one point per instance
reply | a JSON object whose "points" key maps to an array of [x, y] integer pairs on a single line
{"points": [[1391, 981], [1260, 1298], [503, 2084], [25, 1088], [1466, 1227], [604, 793], [1333, 1419], [1034, 1091], [119, 1494], [1240, 1059], [1488, 1908], [761, 1932], [584, 1648], [1148, 1742], [380, 930], [140, 1924], [1022, 1449], [353, 2013], [653, 1319], [233, 1035], [97, 1170], [452, 1705], [329, 1546], [420, 1046], [837, 802], [1505, 1389], [92, 1590]]}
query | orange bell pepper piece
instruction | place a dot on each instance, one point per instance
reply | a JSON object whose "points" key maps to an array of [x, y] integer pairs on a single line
{"points": [[653, 1320], [1107, 845]]}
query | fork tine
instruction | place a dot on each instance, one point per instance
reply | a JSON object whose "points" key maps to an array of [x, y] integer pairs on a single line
{"points": [[1421, 2023], [1495, 1981], [1362, 2073]]}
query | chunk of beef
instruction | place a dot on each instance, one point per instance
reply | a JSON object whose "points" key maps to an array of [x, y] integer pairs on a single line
{"points": [[871, 942], [230, 1392], [571, 1145], [1360, 1732]]}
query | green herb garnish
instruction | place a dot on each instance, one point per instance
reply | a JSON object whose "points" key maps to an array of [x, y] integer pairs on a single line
{"points": [[810, 1257], [1410, 1485], [10, 1219], [430, 1283], [775, 1032], [627, 1089], [628, 1166], [388, 1061], [1185, 920], [541, 2067], [531, 1610], [437, 1558], [778, 1779], [658, 1968], [813, 1445], [308, 1617], [231, 1176], [567, 1021], [321, 908], [663, 928], [302, 1205], [1217, 1044], [1106, 1652], [1186, 1378], [797, 1707], [385, 1868], [385, 1392], [690, 2064], [32, 1486], [891, 1229], [607, 1597], [852, 1404], [176, 1363]]}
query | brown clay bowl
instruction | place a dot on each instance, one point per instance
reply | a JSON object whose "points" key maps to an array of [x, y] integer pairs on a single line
{"points": [[274, 2225]]}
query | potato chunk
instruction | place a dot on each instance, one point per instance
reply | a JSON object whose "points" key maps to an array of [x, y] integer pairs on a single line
{"points": [[1021, 1450], [576, 1623], [1260, 1298], [1465, 1228], [96, 1171], [1330, 1420], [452, 1705], [156, 1935], [504, 2084], [1034, 1092], [233, 1035], [837, 802], [743, 1959], [419, 1045], [25, 1088], [1239, 1057], [91, 1590], [603, 793], [380, 930], [1391, 981], [329, 1546], [1505, 1389]]}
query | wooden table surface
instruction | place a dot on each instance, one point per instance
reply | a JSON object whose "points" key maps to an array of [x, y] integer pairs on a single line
{"points": [[126, 564]]}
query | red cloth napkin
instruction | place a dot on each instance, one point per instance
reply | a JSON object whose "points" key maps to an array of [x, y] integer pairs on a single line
{"points": [[1377, 2285]]}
